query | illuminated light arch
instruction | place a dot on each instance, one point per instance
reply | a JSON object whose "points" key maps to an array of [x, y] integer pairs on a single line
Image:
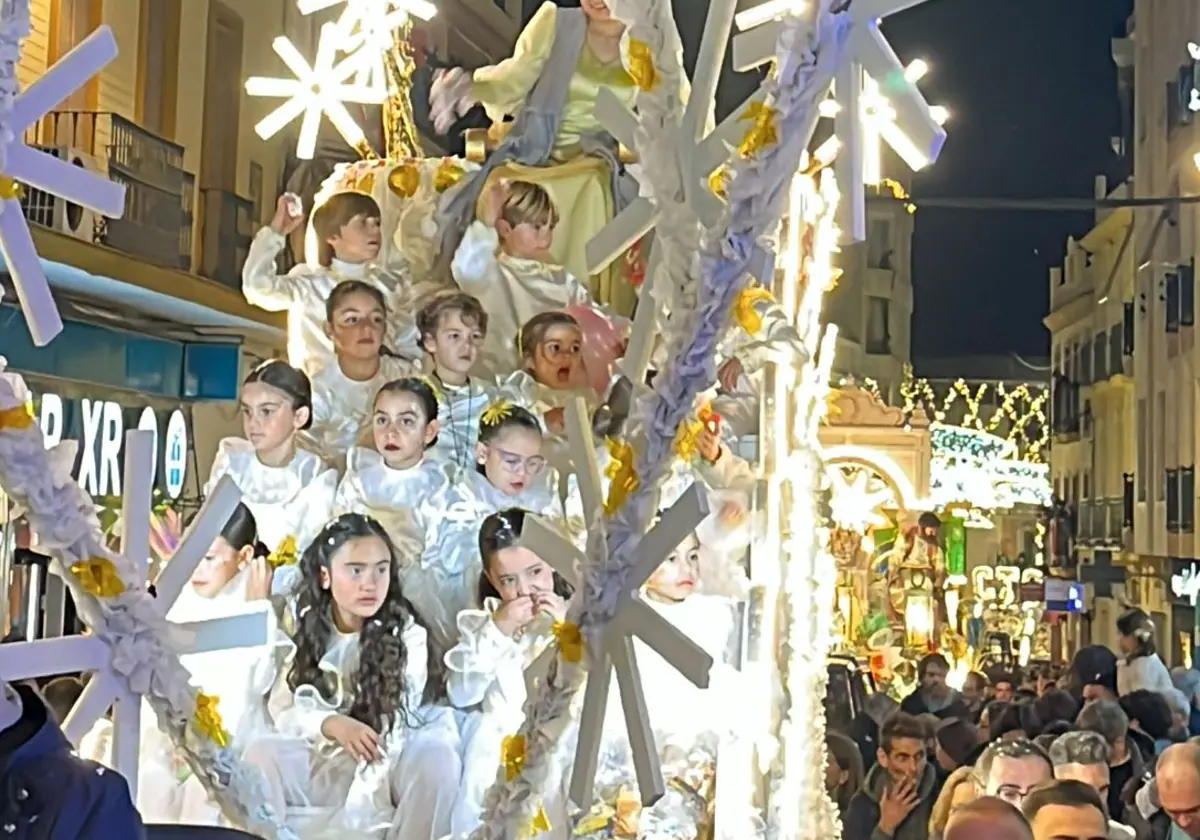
{"points": [[882, 464]]}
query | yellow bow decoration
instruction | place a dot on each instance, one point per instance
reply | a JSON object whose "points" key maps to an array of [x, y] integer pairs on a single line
{"points": [[285, 555], [570, 640], [207, 720], [718, 182], [405, 180], [540, 824], [18, 418], [448, 173], [432, 384], [494, 413], [745, 310], [98, 577], [364, 183], [687, 439], [10, 189], [621, 470], [512, 752], [764, 129], [641, 65]]}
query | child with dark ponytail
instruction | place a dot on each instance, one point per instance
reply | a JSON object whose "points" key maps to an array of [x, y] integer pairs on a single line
{"points": [[356, 749]]}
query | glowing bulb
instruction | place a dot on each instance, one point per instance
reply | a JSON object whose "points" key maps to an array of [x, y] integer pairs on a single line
{"points": [[1194, 50], [1196, 160], [940, 115], [767, 11], [829, 108], [916, 71]]}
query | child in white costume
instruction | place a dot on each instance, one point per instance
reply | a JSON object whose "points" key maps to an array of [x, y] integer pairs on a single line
{"points": [[344, 389], [289, 491], [395, 483], [357, 754], [511, 472], [504, 260], [233, 578], [452, 325], [520, 597], [347, 228]]}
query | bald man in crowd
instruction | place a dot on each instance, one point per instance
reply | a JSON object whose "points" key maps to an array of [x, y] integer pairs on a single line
{"points": [[1178, 781], [987, 818]]}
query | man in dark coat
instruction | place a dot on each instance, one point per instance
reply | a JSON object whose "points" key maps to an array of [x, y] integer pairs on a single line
{"points": [[933, 696], [898, 793]]}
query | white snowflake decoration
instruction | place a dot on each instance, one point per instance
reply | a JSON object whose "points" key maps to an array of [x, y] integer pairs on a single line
{"points": [[321, 88], [21, 164]]}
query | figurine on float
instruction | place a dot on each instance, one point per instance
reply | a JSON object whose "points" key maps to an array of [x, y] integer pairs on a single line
{"points": [[562, 60], [916, 566]]}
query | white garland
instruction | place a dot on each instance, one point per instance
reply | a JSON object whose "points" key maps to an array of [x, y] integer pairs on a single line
{"points": [[14, 27], [143, 656]]}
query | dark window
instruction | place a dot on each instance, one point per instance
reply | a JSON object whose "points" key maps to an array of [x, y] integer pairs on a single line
{"points": [[1173, 501], [1172, 296], [1187, 499], [1187, 294], [879, 330], [1116, 356], [1127, 330], [1099, 357]]}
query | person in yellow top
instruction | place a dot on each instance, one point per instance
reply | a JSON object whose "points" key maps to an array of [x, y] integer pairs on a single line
{"points": [[549, 87]]}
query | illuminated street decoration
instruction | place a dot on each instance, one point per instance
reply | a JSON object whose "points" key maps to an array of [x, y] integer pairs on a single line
{"points": [[856, 498], [1194, 96], [982, 471]]}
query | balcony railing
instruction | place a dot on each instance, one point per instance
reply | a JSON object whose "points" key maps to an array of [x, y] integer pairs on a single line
{"points": [[228, 229], [159, 194], [1114, 533]]}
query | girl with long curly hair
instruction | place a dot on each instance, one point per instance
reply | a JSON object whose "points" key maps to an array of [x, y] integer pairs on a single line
{"points": [[356, 750], [520, 599]]}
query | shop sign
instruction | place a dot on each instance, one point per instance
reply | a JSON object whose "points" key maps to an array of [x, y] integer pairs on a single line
{"points": [[99, 426]]}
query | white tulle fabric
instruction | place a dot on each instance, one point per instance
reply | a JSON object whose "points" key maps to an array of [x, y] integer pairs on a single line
{"points": [[461, 406], [511, 289], [326, 793], [447, 580], [487, 669], [240, 677], [342, 406], [407, 503], [291, 501], [303, 291]]}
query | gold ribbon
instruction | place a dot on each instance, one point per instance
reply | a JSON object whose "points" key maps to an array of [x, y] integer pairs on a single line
{"points": [[570, 640], [641, 65], [207, 719], [764, 129], [10, 189], [16, 418], [621, 470], [512, 752], [98, 577], [285, 555], [405, 180], [539, 824], [745, 310], [718, 182], [448, 173]]}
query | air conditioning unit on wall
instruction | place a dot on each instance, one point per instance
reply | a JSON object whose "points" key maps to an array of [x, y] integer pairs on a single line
{"points": [[57, 214]]}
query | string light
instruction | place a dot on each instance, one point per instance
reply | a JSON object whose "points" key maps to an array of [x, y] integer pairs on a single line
{"points": [[317, 89]]}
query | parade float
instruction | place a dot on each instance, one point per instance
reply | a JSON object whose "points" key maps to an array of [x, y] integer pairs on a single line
{"points": [[706, 250]]}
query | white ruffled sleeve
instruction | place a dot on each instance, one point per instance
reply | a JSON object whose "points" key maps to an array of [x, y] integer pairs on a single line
{"points": [[475, 266], [485, 666], [220, 464], [314, 507], [776, 340], [416, 663], [728, 472], [261, 285], [518, 388]]}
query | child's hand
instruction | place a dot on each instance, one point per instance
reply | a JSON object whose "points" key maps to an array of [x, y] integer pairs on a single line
{"points": [[259, 579], [512, 615], [709, 442], [289, 214], [729, 373], [355, 737], [733, 514], [556, 420], [493, 202], [550, 603]]}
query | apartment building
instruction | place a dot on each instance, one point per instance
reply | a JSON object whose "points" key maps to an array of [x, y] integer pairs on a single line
{"points": [[872, 304], [154, 316]]}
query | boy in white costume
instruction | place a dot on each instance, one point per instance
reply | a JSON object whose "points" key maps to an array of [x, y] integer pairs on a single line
{"points": [[344, 389], [348, 233], [357, 754], [289, 490], [504, 260], [453, 326]]}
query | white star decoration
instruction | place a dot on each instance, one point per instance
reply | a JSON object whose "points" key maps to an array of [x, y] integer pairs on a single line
{"points": [[853, 505], [633, 618], [875, 99], [317, 89], [50, 174], [364, 32], [27, 660]]}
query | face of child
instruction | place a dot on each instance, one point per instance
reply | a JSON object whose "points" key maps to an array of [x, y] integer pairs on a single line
{"points": [[357, 326], [512, 460], [516, 572], [528, 240], [596, 9], [676, 578], [358, 577], [268, 418], [358, 240], [455, 344], [402, 431], [218, 566], [558, 359]]}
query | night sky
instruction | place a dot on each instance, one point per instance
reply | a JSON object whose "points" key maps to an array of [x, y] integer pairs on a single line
{"points": [[1031, 87]]}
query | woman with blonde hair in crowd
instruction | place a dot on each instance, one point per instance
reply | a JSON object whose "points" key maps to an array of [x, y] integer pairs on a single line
{"points": [[958, 790]]}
